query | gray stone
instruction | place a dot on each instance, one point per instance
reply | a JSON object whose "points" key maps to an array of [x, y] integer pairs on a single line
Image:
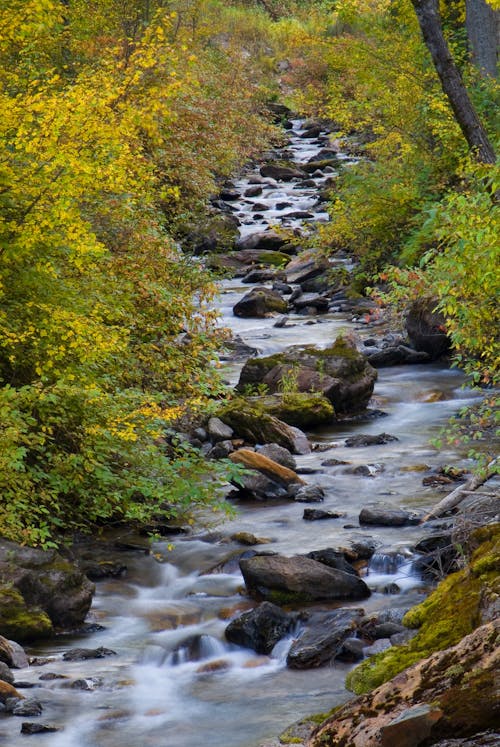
{"points": [[82, 654], [5, 673], [387, 515], [219, 431], [261, 628], [323, 638], [28, 727], [28, 707], [309, 494], [278, 454]]}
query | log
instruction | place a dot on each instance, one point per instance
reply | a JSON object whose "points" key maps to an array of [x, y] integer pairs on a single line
{"points": [[459, 494]]}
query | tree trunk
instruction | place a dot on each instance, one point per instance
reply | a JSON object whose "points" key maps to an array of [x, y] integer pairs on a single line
{"points": [[483, 31], [451, 80]]}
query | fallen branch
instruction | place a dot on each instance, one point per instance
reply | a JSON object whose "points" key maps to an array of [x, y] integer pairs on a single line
{"points": [[459, 494]]}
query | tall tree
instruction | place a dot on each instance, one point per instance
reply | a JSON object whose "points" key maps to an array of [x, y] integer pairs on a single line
{"points": [[483, 30], [451, 80]]}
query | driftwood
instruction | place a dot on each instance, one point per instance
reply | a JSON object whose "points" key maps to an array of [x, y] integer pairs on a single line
{"points": [[459, 494]]}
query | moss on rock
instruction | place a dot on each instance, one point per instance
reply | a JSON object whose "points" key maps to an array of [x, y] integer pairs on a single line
{"points": [[451, 612], [301, 409], [20, 621]]}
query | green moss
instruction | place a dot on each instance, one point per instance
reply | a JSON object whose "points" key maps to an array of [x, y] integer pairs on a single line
{"points": [[301, 409], [451, 612], [276, 259], [18, 621]]}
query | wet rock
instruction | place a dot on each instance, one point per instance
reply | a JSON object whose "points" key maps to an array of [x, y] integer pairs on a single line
{"points": [[259, 302], [247, 538], [278, 454], [29, 727], [255, 426], [364, 439], [5, 674], [261, 628], [302, 409], [333, 559], [229, 195], [253, 191], [221, 450], [255, 486], [259, 276], [317, 514], [382, 644], [39, 590], [219, 431], [193, 648], [310, 494], [361, 548], [219, 665], [440, 555], [82, 654], [304, 268], [49, 676], [387, 515], [267, 240], [352, 650], [280, 172], [333, 462], [323, 638], [484, 739], [314, 300], [88, 684], [8, 692], [396, 356], [12, 654], [27, 707], [427, 328], [282, 287], [298, 579], [338, 372], [101, 569]]}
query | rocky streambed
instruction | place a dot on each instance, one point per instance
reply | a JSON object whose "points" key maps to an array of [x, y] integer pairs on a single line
{"points": [[250, 625]]}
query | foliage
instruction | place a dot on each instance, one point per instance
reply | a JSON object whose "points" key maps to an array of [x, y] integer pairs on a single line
{"points": [[114, 126]]}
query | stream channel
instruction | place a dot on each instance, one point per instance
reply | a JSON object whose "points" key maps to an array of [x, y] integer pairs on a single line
{"points": [[144, 696]]}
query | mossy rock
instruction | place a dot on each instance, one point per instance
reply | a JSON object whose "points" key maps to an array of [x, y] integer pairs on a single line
{"points": [[301, 409], [18, 621], [250, 422], [339, 372], [453, 610]]}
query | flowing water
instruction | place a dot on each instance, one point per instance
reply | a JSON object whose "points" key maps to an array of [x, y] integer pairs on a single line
{"points": [[174, 681]]}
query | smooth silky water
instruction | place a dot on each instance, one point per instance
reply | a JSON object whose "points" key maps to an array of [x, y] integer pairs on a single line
{"points": [[230, 697]]}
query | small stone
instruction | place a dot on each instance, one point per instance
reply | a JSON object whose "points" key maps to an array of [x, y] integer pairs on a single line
{"points": [[29, 727], [49, 676], [82, 654], [309, 494], [219, 431], [89, 684], [364, 439], [28, 707], [317, 514]]}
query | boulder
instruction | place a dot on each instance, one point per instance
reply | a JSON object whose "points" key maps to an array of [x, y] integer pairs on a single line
{"points": [[260, 302], [12, 654], [363, 439], [259, 276], [278, 454], [318, 514], [298, 579], [310, 494], [40, 590], [338, 372], [396, 356], [303, 268], [280, 172], [257, 427], [5, 674], [28, 707], [259, 240], [387, 515], [323, 638], [447, 695], [8, 692], [426, 328], [261, 628], [219, 431], [333, 559], [302, 409]]}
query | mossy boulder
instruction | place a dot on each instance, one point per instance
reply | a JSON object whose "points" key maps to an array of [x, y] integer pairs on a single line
{"points": [[302, 409], [20, 621], [457, 606], [339, 372], [250, 422], [260, 302], [40, 590]]}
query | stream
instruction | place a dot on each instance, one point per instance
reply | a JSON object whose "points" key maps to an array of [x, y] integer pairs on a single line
{"points": [[223, 695]]}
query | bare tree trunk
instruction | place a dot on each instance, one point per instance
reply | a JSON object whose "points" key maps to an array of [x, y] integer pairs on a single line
{"points": [[451, 81], [463, 491], [483, 31]]}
